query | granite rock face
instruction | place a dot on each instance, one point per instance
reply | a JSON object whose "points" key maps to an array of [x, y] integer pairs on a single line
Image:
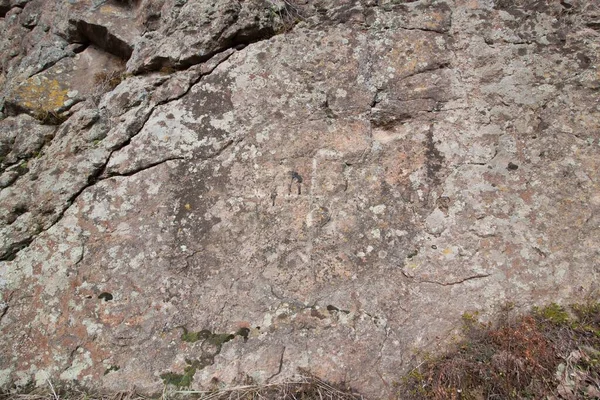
{"points": [[243, 189]]}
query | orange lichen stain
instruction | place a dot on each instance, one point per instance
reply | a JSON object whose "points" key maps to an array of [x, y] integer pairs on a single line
{"points": [[439, 17], [111, 320], [527, 196], [473, 4], [242, 324], [41, 93], [435, 22]]}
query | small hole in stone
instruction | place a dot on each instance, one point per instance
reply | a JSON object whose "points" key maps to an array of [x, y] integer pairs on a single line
{"points": [[512, 166], [105, 296]]}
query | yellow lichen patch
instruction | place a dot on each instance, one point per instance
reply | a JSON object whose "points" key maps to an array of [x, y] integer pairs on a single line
{"points": [[41, 93], [108, 9]]}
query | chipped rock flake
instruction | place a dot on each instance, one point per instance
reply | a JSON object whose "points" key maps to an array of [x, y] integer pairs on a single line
{"points": [[331, 194]]}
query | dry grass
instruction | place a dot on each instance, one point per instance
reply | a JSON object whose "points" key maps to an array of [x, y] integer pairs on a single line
{"points": [[39, 394], [553, 353], [105, 81], [288, 12], [49, 117], [305, 387]]}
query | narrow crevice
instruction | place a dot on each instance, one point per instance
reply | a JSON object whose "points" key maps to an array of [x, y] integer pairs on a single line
{"points": [[81, 257], [483, 235], [11, 253], [440, 31], [4, 311], [6, 306], [595, 25], [139, 169], [429, 68], [222, 149], [49, 65], [492, 42], [470, 278], [225, 54], [280, 366], [238, 41], [381, 347]]}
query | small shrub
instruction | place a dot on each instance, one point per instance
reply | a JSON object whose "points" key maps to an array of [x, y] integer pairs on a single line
{"points": [[108, 80], [105, 81], [544, 354], [48, 117]]}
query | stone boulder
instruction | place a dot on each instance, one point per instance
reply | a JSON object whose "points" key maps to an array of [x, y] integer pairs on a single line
{"points": [[285, 186]]}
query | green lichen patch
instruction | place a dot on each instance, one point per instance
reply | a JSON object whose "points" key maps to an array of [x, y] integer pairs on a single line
{"points": [[192, 337], [218, 339], [186, 379]]}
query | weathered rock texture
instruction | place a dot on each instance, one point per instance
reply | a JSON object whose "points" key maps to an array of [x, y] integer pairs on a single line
{"points": [[326, 186]]}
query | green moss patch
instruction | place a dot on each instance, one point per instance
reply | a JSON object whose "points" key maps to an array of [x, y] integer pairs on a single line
{"points": [[192, 337], [553, 313], [180, 380], [216, 339]]}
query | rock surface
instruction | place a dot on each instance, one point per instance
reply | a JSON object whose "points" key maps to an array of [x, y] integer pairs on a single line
{"points": [[278, 185]]}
